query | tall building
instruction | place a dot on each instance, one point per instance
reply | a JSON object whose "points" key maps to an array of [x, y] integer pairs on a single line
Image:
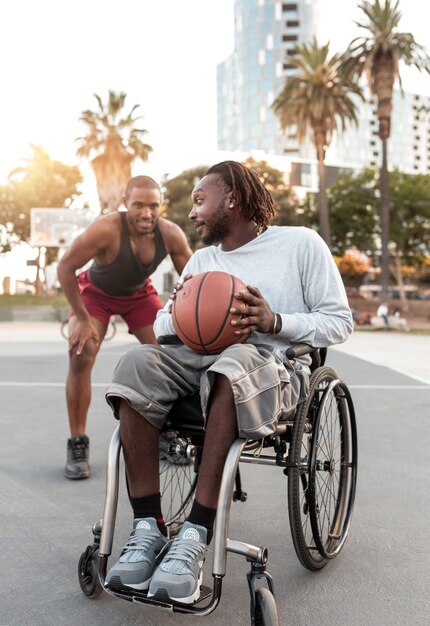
{"points": [[408, 145], [252, 76]]}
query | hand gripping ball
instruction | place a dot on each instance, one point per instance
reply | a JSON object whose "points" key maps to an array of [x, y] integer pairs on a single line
{"points": [[201, 312]]}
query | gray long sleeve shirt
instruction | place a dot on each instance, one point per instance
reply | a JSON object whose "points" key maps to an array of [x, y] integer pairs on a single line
{"points": [[295, 272]]}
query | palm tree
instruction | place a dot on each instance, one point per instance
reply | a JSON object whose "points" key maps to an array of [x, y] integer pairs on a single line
{"points": [[112, 144], [377, 56], [317, 99]]}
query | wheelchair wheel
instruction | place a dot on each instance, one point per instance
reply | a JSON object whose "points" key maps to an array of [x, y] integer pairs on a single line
{"points": [[178, 478], [65, 329], [323, 471], [265, 612], [88, 573]]}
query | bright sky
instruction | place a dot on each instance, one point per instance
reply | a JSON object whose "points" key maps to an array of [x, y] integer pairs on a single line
{"points": [[163, 54]]}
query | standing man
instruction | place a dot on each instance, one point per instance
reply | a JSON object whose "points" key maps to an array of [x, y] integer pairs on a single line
{"points": [[294, 294], [126, 248]]}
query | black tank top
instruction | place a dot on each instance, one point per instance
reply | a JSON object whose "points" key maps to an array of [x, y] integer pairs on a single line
{"points": [[126, 275]]}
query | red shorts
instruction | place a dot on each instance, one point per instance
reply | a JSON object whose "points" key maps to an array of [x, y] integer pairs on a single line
{"points": [[138, 310]]}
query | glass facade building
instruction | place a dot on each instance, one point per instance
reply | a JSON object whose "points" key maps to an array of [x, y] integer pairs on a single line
{"points": [[249, 80]]}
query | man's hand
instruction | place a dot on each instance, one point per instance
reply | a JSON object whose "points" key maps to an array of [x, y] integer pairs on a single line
{"points": [[178, 287], [255, 312], [82, 332]]}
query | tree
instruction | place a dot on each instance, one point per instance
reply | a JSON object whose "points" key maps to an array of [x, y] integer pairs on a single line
{"points": [[41, 182], [353, 206], [353, 266], [317, 99], [112, 144], [288, 211], [377, 56], [177, 196]]}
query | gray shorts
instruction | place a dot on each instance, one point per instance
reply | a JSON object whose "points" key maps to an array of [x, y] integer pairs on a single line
{"points": [[266, 386]]}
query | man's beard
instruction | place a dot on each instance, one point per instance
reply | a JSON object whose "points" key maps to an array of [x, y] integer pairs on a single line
{"points": [[218, 227]]}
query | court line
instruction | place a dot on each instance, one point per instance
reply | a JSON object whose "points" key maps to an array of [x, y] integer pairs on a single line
{"points": [[42, 384]]}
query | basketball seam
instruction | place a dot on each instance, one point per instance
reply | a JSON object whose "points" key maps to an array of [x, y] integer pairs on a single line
{"points": [[209, 343], [196, 312], [195, 343]]}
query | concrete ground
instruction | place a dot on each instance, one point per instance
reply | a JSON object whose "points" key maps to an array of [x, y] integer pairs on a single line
{"points": [[380, 578]]}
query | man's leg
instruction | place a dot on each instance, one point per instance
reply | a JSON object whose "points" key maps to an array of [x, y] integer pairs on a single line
{"points": [[78, 383], [140, 442], [180, 573], [145, 334], [78, 398], [221, 431]]}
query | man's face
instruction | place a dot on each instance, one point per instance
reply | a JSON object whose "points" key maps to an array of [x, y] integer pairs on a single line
{"points": [[210, 214], [143, 209]]}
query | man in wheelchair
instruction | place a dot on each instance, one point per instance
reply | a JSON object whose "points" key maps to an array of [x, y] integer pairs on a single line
{"points": [[295, 294]]}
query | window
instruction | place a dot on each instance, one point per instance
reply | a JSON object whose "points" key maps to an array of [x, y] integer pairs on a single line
{"points": [[289, 37], [292, 23], [289, 6]]}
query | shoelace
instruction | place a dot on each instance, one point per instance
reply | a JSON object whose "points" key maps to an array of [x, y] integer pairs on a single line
{"points": [[187, 552], [78, 451], [140, 542]]}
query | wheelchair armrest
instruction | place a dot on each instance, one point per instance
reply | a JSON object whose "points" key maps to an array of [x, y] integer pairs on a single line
{"points": [[165, 340], [318, 355], [299, 349]]}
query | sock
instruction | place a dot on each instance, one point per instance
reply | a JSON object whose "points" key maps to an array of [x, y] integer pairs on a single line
{"points": [[149, 506], [203, 516]]}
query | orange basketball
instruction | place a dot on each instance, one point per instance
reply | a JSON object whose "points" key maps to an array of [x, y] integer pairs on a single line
{"points": [[201, 312]]}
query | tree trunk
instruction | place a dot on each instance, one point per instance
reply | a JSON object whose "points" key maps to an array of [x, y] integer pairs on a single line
{"points": [[404, 304], [112, 175], [385, 223], [324, 221], [38, 284]]}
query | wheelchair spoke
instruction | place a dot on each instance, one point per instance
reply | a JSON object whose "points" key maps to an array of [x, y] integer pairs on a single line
{"points": [[324, 451]]}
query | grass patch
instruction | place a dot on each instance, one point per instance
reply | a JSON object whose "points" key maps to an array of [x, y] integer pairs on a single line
{"points": [[29, 299]]}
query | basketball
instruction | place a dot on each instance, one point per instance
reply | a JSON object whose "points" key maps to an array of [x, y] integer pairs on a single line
{"points": [[201, 312]]}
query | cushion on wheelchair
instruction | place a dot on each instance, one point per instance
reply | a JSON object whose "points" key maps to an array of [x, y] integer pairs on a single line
{"points": [[186, 412]]}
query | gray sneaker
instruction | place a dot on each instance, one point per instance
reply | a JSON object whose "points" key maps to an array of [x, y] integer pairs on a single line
{"points": [[139, 556], [179, 574], [78, 452]]}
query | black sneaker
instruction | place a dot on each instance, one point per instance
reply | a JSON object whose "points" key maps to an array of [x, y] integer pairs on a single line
{"points": [[78, 452]]}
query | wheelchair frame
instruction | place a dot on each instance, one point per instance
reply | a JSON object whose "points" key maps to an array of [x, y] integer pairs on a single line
{"points": [[308, 459]]}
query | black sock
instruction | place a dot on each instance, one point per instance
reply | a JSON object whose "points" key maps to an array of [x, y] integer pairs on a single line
{"points": [[149, 506], [203, 516]]}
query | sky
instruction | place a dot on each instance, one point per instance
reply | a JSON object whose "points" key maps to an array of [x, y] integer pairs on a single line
{"points": [[162, 53]]}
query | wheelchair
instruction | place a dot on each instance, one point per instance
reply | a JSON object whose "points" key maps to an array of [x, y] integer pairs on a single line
{"points": [[316, 450]]}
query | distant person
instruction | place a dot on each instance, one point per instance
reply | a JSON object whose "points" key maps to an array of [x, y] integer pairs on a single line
{"points": [[382, 311], [126, 248]]}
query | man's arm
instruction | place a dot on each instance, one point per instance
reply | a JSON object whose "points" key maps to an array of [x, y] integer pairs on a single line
{"points": [[329, 320], [93, 241], [176, 245]]}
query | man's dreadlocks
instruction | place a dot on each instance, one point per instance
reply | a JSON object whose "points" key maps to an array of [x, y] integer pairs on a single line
{"points": [[248, 191]]}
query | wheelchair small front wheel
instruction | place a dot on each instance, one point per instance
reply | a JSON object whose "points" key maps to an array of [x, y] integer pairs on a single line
{"points": [[265, 612], [88, 573]]}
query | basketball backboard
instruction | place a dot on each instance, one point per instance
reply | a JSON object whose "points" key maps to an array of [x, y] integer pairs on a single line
{"points": [[57, 228]]}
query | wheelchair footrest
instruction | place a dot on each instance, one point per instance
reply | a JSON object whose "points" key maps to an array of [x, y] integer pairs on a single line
{"points": [[161, 600]]}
